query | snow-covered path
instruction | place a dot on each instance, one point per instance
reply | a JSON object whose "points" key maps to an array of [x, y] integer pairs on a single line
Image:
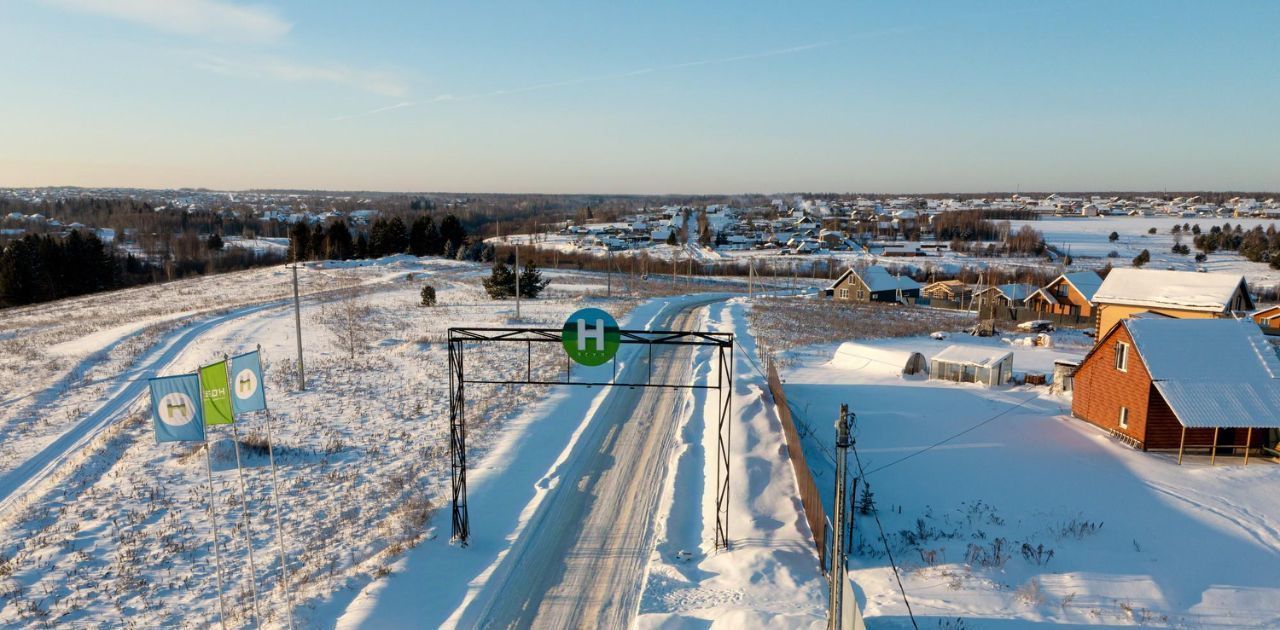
{"points": [[581, 562], [129, 388]]}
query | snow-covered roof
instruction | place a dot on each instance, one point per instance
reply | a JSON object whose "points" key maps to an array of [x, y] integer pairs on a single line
{"points": [[972, 355], [1016, 291], [1157, 288], [1086, 282], [1222, 349], [1212, 372], [879, 279], [1208, 404]]}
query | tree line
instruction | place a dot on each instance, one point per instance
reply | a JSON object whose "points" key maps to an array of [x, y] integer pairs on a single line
{"points": [[387, 237], [42, 268]]}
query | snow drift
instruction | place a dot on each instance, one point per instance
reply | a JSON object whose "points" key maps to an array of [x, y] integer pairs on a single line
{"points": [[856, 356]]}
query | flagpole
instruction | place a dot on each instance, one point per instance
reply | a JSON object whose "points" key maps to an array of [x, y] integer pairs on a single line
{"points": [[275, 496], [244, 502], [213, 515]]}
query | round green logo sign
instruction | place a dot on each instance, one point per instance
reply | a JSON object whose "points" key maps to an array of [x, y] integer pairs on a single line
{"points": [[591, 337]]}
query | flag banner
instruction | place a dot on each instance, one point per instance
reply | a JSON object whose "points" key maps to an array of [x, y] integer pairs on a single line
{"points": [[247, 388], [215, 396], [174, 412]]}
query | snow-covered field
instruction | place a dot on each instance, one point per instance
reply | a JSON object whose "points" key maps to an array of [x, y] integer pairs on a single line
{"points": [[1002, 511], [103, 527], [1085, 238]]}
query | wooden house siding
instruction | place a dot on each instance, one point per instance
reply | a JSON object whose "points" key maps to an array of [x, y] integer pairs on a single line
{"points": [[1164, 432], [1072, 303], [1100, 390], [857, 289]]}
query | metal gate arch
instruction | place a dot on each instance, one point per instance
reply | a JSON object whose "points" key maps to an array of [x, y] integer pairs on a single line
{"points": [[458, 379]]}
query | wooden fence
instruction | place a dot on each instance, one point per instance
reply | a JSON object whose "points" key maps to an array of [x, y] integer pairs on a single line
{"points": [[814, 513]]}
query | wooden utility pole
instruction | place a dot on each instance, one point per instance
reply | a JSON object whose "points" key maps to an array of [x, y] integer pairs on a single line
{"points": [[838, 525], [297, 325]]}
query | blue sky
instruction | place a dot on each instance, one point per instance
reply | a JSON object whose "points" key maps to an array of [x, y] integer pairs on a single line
{"points": [[641, 97]]}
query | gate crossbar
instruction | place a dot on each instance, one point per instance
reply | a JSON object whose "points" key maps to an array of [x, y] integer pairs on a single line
{"points": [[460, 337]]}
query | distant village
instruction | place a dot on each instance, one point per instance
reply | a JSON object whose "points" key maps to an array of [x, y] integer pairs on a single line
{"points": [[899, 226]]}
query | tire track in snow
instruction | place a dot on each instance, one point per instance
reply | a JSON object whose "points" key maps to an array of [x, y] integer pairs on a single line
{"points": [[132, 385]]}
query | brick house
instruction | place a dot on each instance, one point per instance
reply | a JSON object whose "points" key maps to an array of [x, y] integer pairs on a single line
{"points": [[1162, 383], [873, 284], [1180, 294], [1068, 294]]}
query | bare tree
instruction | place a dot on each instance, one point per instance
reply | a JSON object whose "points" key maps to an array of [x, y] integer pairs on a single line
{"points": [[349, 320]]}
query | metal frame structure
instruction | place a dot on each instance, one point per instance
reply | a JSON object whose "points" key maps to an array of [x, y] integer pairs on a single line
{"points": [[459, 337]]}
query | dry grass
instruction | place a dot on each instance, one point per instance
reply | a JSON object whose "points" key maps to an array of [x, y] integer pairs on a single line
{"points": [[795, 322]]}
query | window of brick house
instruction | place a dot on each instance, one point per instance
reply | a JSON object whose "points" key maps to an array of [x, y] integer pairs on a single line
{"points": [[1122, 356], [1124, 417]]}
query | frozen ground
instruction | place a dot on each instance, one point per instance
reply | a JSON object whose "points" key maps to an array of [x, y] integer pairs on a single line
{"points": [[1003, 511], [103, 527], [361, 451]]}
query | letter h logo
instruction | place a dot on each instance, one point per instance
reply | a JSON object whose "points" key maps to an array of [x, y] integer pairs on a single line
{"points": [[596, 333]]}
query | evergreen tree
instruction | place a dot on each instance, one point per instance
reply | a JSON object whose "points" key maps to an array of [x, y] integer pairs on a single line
{"points": [[397, 237], [362, 247], [1142, 258], [1113, 237], [424, 239], [388, 237], [339, 242], [215, 242], [452, 232], [299, 242], [19, 272], [428, 295], [319, 245], [378, 238], [531, 281], [501, 283]]}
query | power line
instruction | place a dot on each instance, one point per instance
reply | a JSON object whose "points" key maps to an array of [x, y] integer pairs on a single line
{"points": [[952, 437], [888, 552]]}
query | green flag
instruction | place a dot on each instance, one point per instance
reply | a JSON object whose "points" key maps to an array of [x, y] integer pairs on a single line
{"points": [[214, 394]]}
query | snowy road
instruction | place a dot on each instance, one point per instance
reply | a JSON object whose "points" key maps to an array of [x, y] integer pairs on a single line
{"points": [[581, 563]]}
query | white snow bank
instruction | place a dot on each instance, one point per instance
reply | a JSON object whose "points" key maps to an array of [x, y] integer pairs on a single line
{"points": [[857, 356]]}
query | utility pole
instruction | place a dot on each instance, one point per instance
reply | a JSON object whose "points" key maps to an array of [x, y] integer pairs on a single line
{"points": [[837, 528], [297, 324], [517, 280], [751, 276]]}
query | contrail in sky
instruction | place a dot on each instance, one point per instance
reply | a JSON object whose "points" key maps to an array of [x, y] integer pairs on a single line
{"points": [[605, 77]]}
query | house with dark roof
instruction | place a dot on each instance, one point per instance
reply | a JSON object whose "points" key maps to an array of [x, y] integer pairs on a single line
{"points": [[1068, 294], [873, 284], [1162, 383]]}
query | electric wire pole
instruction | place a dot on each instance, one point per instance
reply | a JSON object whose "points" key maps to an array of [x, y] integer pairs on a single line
{"points": [[517, 280], [837, 527], [297, 325]]}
